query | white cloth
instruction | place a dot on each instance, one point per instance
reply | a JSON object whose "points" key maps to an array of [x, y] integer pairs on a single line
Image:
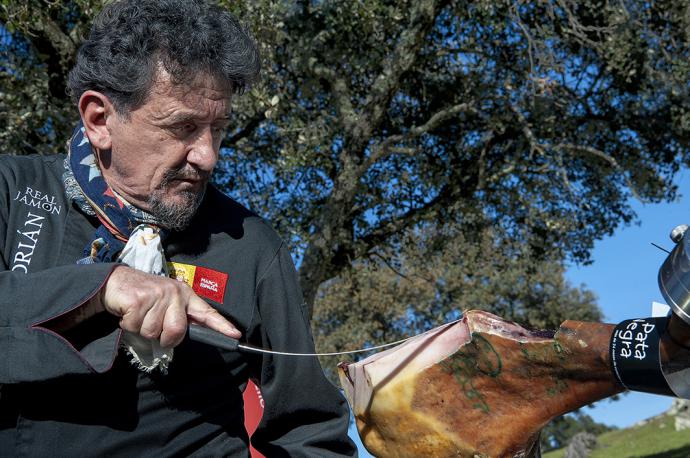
{"points": [[144, 251]]}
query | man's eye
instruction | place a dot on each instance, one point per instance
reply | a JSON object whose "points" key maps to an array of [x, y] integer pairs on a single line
{"points": [[185, 128]]}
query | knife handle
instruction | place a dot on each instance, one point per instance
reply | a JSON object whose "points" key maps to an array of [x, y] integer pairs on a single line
{"points": [[208, 336]]}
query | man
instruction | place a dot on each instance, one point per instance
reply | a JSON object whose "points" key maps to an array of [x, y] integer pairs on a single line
{"points": [[95, 358]]}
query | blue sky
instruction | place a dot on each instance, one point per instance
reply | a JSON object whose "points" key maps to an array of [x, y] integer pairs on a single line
{"points": [[624, 278]]}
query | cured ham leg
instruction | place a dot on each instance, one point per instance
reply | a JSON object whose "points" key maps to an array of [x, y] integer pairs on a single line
{"points": [[478, 387]]}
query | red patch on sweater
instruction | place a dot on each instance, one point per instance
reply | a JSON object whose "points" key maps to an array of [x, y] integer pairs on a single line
{"points": [[210, 284]]}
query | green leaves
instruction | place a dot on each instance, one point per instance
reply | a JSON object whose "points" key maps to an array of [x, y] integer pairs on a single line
{"points": [[383, 128]]}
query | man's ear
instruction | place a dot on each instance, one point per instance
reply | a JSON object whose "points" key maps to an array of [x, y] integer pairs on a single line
{"points": [[95, 108]]}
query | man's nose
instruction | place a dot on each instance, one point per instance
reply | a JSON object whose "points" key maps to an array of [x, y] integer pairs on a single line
{"points": [[204, 152]]}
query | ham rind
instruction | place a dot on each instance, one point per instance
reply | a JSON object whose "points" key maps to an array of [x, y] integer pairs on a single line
{"points": [[482, 386], [409, 358]]}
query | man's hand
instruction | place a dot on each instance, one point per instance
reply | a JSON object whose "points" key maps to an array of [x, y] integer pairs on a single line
{"points": [[157, 307]]}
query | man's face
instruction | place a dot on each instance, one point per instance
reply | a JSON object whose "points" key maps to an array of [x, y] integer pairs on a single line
{"points": [[163, 155]]}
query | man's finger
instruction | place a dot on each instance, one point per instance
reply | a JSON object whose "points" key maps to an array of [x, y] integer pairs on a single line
{"points": [[152, 321], [200, 312], [174, 326]]}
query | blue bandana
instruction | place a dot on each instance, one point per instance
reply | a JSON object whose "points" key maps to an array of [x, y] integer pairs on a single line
{"points": [[86, 186]]}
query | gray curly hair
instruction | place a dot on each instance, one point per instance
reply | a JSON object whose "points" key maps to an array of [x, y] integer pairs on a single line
{"points": [[130, 39]]}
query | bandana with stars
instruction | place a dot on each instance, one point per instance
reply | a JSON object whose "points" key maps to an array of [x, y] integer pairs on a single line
{"points": [[86, 186]]}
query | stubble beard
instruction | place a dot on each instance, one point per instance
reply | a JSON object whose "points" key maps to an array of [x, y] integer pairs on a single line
{"points": [[176, 215]]}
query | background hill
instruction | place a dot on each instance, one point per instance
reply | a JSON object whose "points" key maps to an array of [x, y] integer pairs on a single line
{"points": [[656, 437]]}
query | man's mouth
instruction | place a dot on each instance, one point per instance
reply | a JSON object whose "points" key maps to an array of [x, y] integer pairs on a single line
{"points": [[188, 184], [189, 180], [192, 177]]}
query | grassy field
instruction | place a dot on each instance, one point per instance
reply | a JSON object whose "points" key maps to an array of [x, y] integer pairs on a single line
{"points": [[656, 439]]}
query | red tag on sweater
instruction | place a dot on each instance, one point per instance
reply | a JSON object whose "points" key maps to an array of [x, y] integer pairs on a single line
{"points": [[210, 284]]}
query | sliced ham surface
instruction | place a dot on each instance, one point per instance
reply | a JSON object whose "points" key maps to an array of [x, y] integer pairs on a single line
{"points": [[479, 387]]}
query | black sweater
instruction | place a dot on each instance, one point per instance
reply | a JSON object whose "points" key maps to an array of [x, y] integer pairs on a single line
{"points": [[75, 395]]}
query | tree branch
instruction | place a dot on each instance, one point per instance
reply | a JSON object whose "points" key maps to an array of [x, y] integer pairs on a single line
{"points": [[580, 31], [385, 147], [534, 144], [528, 37], [606, 157], [389, 265], [397, 224], [400, 61], [246, 130], [60, 40], [340, 90]]}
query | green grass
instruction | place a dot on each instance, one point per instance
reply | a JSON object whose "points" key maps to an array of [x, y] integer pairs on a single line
{"points": [[656, 439]]}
